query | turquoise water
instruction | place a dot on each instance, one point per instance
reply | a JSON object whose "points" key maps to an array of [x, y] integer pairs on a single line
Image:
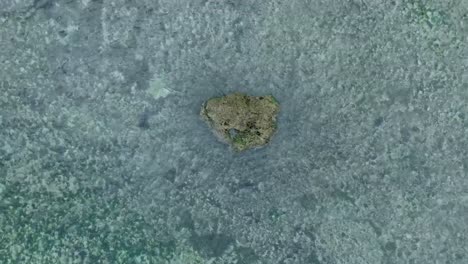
{"points": [[104, 158]]}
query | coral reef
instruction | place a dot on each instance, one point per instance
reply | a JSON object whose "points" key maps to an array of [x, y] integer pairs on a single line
{"points": [[241, 120]]}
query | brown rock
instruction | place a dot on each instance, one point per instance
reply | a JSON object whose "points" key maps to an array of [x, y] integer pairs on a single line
{"points": [[242, 121]]}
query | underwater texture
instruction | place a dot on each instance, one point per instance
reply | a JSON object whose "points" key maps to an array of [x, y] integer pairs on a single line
{"points": [[104, 157]]}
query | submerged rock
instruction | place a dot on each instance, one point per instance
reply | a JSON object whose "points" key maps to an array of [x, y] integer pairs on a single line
{"points": [[242, 121]]}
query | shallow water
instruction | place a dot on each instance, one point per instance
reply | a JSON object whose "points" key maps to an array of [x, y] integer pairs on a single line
{"points": [[105, 159]]}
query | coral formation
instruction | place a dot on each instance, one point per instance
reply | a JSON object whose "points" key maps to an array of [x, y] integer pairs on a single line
{"points": [[242, 121]]}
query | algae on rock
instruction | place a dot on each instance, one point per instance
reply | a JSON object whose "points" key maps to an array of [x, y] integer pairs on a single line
{"points": [[242, 121]]}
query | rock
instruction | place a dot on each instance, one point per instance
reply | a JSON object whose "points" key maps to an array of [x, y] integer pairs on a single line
{"points": [[240, 120]]}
